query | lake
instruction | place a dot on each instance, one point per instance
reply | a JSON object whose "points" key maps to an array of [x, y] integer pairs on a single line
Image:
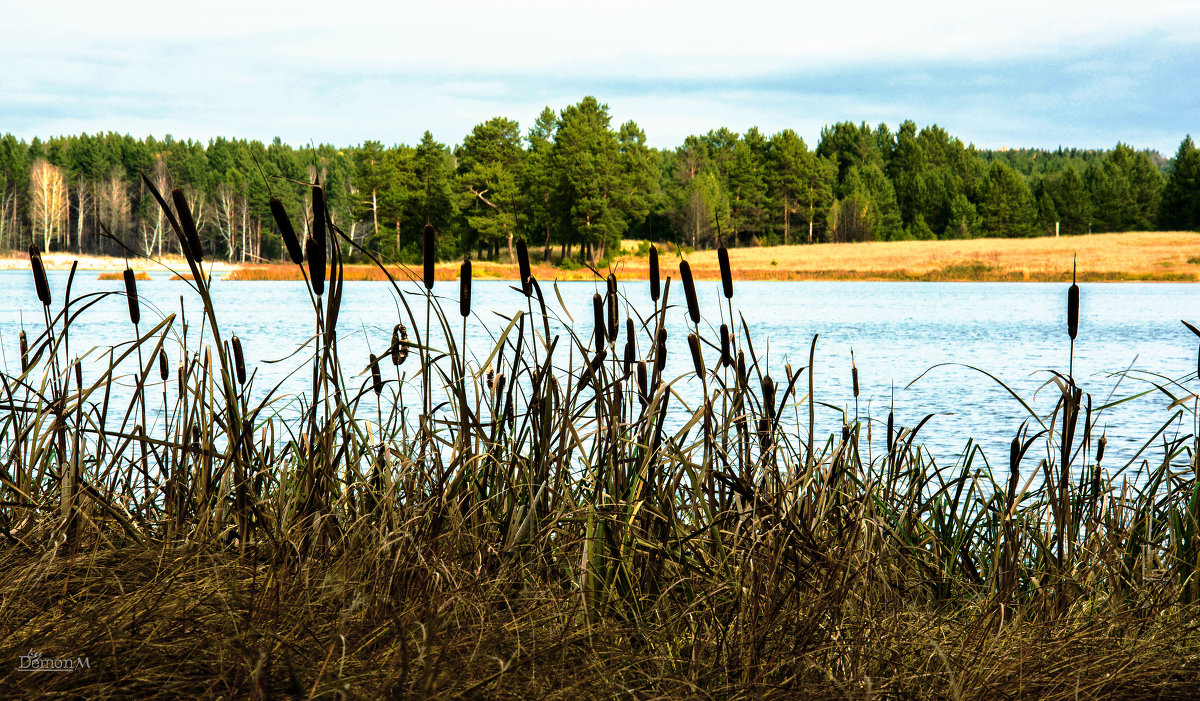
{"points": [[897, 332]]}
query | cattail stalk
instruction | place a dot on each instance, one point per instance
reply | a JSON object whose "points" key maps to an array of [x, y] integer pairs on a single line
{"points": [[464, 289], [427, 254], [689, 291], [40, 282], [131, 296], [726, 273], [697, 355], [654, 287], [239, 361], [599, 322], [286, 231]]}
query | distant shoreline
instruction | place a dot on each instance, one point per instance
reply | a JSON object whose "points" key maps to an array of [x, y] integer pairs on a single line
{"points": [[1124, 257]]}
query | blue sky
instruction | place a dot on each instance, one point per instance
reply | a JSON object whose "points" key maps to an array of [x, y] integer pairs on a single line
{"points": [[1017, 73]]}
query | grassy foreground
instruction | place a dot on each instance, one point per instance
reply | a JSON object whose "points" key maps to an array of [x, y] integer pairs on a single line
{"points": [[531, 528]]}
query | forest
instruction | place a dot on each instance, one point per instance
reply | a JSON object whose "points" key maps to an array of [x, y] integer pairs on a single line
{"points": [[573, 184]]}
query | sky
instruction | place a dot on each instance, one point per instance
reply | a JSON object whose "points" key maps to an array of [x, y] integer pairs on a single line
{"points": [[1020, 73]]}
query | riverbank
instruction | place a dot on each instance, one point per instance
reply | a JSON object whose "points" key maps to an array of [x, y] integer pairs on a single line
{"points": [[1131, 256]]}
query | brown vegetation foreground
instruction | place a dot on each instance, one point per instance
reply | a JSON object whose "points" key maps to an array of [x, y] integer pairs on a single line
{"points": [[536, 528]]}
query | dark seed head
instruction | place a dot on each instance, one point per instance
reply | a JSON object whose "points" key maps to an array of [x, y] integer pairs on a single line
{"points": [[376, 378], [1073, 307], [726, 273], [319, 214], [654, 291], [316, 265], [194, 249], [689, 291], [641, 382], [890, 438], [768, 390], [741, 370], [854, 374], [660, 353], [598, 317], [613, 320], [628, 357], [427, 254], [40, 283], [239, 361], [163, 371], [286, 231], [697, 355], [726, 356], [394, 350], [523, 266], [464, 289], [1100, 447], [135, 312], [24, 352]]}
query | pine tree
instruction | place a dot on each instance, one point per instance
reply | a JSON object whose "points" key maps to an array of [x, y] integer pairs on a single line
{"points": [[1180, 209]]}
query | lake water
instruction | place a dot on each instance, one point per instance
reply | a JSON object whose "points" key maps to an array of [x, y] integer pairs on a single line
{"points": [[897, 331]]}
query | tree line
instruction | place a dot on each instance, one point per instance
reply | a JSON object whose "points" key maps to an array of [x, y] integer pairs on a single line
{"points": [[577, 184]]}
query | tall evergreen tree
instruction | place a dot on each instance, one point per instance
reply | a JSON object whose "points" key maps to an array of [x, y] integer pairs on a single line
{"points": [[1180, 207]]}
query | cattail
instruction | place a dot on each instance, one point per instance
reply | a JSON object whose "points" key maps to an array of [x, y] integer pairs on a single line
{"points": [[78, 376], [427, 254], [628, 357], [768, 390], [195, 249], [239, 361], [741, 369], [491, 378], [613, 319], [598, 313], [286, 232], [498, 387], [318, 205], [523, 266], [40, 283], [890, 439], [1100, 448], [654, 273], [726, 274], [726, 356], [764, 434], [135, 312], [163, 371], [787, 371], [689, 291], [660, 354], [854, 373], [24, 352], [697, 355], [641, 382], [1073, 308], [399, 334], [376, 378], [464, 289], [316, 265]]}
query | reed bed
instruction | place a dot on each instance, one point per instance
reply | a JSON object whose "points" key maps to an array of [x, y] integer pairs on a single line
{"points": [[532, 528]]}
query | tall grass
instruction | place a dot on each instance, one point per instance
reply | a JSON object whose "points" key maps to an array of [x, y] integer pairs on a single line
{"points": [[534, 528]]}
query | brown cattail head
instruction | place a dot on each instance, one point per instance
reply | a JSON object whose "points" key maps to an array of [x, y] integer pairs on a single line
{"points": [[613, 318], [376, 378], [163, 371], [399, 345], [628, 357], [194, 249], [768, 390], [319, 214], [854, 373], [598, 318], [1014, 454], [1073, 308], [316, 265], [24, 352], [523, 266], [286, 231], [741, 370], [890, 438], [654, 291], [78, 376], [660, 353], [135, 312], [1100, 447], [239, 360], [641, 382], [427, 254], [499, 386], [40, 283], [726, 273], [726, 355], [697, 355], [464, 289], [689, 291]]}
